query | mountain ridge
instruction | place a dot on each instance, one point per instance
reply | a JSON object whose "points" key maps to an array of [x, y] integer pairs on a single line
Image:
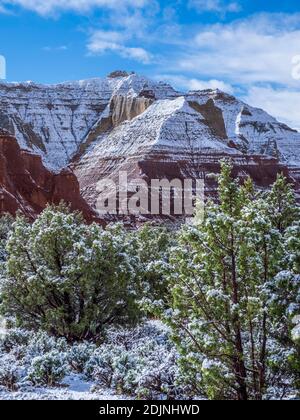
{"points": [[129, 122]]}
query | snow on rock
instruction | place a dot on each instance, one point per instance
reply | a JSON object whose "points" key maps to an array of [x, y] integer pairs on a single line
{"points": [[253, 130], [128, 122], [53, 120], [180, 138]]}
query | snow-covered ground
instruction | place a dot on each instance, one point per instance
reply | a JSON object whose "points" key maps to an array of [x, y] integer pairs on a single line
{"points": [[139, 362], [73, 387]]}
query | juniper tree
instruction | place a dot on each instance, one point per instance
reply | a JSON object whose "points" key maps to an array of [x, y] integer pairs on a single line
{"points": [[66, 277], [152, 248], [219, 310], [281, 204], [6, 222], [284, 305]]}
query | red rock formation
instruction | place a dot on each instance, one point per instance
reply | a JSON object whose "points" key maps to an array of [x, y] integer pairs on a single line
{"points": [[26, 185]]}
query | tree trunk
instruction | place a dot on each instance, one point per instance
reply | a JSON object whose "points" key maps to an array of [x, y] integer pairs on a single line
{"points": [[239, 365]]}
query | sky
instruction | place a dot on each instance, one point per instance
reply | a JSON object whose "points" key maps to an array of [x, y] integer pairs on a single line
{"points": [[249, 48]]}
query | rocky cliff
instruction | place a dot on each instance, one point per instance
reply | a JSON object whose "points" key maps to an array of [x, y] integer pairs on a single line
{"points": [[26, 185], [186, 137], [130, 123], [54, 120]]}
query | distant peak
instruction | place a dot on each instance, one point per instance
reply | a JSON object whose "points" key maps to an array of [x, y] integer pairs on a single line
{"points": [[119, 73]]}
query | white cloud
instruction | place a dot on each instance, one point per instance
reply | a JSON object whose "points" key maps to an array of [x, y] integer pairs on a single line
{"points": [[53, 49], [219, 6], [127, 18], [254, 53], [105, 41], [3, 9], [46, 7], [186, 83], [254, 50], [284, 104]]}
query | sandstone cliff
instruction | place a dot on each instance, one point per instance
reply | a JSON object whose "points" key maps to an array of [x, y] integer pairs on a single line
{"points": [[26, 185]]}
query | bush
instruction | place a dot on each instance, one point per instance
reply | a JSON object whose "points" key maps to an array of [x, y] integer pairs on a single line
{"points": [[10, 373], [140, 362], [158, 378], [31, 356], [48, 369], [79, 355], [41, 343], [100, 366], [15, 337], [67, 278]]}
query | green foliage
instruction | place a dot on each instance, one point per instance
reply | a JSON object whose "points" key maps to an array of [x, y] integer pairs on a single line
{"points": [[220, 274], [48, 369], [6, 222], [79, 355], [68, 278], [282, 208], [152, 248]]}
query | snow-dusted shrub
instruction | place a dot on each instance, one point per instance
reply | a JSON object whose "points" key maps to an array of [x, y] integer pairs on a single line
{"points": [[40, 344], [10, 372], [48, 369], [79, 355], [152, 245], [159, 376], [68, 278], [100, 366], [130, 337], [15, 337], [126, 367], [140, 362]]}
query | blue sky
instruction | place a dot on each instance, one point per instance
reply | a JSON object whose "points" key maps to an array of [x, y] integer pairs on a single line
{"points": [[245, 47]]}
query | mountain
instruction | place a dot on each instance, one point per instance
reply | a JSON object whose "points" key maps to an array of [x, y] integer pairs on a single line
{"points": [[127, 122], [54, 120], [26, 185]]}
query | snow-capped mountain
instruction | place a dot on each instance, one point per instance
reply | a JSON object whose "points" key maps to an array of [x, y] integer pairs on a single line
{"points": [[53, 120], [252, 130], [128, 122]]}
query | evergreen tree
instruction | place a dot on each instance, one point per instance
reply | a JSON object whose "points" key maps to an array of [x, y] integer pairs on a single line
{"points": [[284, 305], [152, 248], [68, 278], [281, 204], [220, 274], [6, 222]]}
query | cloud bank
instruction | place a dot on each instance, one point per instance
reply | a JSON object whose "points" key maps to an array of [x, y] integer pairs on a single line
{"points": [[254, 57]]}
